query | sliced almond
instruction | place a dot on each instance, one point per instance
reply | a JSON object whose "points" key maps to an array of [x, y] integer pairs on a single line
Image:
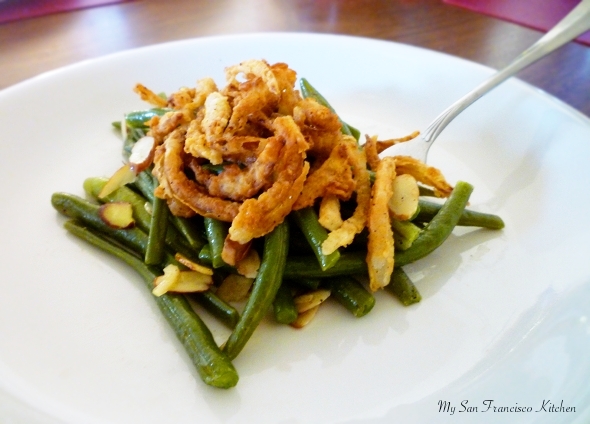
{"points": [[307, 301], [193, 265], [164, 282], [118, 215], [185, 282], [142, 154], [234, 288], [404, 201], [305, 318], [191, 282], [122, 176], [248, 266]]}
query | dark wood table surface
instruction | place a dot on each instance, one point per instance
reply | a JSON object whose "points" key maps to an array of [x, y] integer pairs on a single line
{"points": [[31, 46]]}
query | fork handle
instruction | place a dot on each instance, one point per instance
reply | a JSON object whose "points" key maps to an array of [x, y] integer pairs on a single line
{"points": [[573, 24]]}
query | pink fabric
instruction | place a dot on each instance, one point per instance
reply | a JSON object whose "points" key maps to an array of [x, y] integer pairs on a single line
{"points": [[12, 10], [537, 14]]}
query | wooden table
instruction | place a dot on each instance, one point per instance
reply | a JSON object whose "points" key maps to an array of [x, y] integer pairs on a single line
{"points": [[32, 46]]}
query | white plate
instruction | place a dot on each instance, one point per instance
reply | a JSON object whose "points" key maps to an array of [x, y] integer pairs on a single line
{"points": [[505, 315]]}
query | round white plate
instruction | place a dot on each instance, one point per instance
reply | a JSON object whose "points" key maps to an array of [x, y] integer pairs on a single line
{"points": [[505, 316]]}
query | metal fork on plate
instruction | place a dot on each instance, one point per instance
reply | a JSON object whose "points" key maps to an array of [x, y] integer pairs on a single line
{"points": [[570, 27]]}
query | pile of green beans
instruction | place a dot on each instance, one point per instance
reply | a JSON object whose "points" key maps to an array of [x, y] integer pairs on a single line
{"points": [[291, 258]]}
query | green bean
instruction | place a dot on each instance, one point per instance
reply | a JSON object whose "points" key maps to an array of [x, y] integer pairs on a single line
{"points": [[403, 288], [205, 254], [133, 134], [439, 228], [157, 236], [86, 212], [351, 294], [307, 221], [406, 228], [216, 232], [350, 263], [138, 119], [177, 241], [400, 242], [136, 240], [188, 228], [284, 308], [135, 126], [206, 258], [182, 229], [298, 244], [307, 90], [431, 237], [404, 233], [217, 307], [145, 184], [94, 185], [266, 284], [354, 132], [213, 366], [426, 191], [216, 169], [308, 283], [468, 217]]}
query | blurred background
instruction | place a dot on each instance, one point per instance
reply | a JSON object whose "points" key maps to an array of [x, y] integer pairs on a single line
{"points": [[37, 36]]}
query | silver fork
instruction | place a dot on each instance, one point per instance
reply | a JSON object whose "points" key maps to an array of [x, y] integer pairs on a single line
{"points": [[572, 25]]}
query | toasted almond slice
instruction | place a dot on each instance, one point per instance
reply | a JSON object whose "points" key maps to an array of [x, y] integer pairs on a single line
{"points": [[234, 288], [305, 318], [404, 201], [122, 176], [164, 282], [307, 301], [193, 265], [185, 282], [142, 154], [118, 215], [248, 266], [191, 282]]}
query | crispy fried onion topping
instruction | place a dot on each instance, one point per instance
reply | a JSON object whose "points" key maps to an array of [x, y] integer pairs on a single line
{"points": [[252, 151], [258, 216], [344, 235], [381, 244], [236, 154], [177, 186]]}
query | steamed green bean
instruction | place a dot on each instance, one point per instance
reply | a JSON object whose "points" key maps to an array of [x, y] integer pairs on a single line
{"points": [[212, 364], [268, 281], [283, 264]]}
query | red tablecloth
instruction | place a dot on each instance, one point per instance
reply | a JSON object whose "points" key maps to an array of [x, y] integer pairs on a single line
{"points": [[12, 10], [536, 14]]}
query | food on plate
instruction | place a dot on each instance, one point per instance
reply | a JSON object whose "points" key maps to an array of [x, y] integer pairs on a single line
{"points": [[255, 196], [181, 281], [380, 255], [117, 214]]}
